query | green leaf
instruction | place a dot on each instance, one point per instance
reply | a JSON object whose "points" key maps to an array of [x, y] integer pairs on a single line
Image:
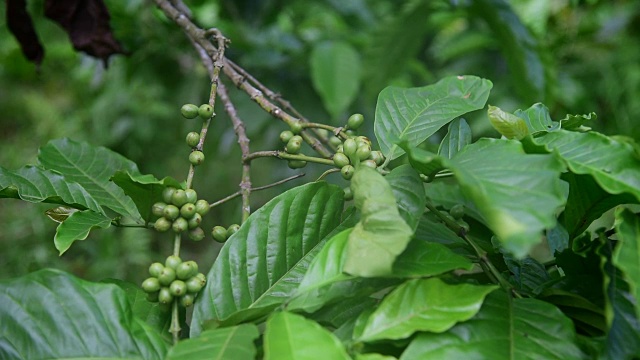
{"points": [[292, 337], [49, 314], [423, 305], [612, 164], [325, 280], [576, 122], [528, 276], [408, 190], [449, 194], [91, 167], [265, 253], [232, 343], [423, 259], [424, 161], [77, 227], [458, 136], [33, 184], [343, 312], [372, 356], [144, 190], [507, 124], [413, 115], [517, 193], [587, 317], [538, 119], [437, 232], [626, 255], [504, 328], [335, 73], [381, 234]]}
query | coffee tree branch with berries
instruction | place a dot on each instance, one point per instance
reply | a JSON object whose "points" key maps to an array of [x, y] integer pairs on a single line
{"points": [[426, 254]]}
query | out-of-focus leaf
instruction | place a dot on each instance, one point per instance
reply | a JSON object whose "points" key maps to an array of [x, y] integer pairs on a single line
{"points": [[423, 305], [292, 337], [458, 136], [231, 343], [408, 189], [265, 253], [144, 190], [503, 329], [335, 72], [422, 259], [77, 227], [412, 115], [91, 167], [371, 356], [49, 314], [626, 255]]}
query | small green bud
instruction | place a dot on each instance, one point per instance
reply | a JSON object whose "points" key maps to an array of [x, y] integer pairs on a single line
{"points": [[196, 157], [205, 111], [193, 139], [189, 111]]}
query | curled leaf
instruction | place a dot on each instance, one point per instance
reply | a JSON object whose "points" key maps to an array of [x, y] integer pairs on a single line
{"points": [[507, 124]]}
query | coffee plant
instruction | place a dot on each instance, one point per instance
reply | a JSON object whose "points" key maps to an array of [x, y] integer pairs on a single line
{"points": [[490, 249]]}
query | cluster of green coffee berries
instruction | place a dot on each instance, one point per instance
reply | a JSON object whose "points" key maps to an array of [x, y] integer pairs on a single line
{"points": [[174, 280], [293, 144], [190, 111], [220, 234], [180, 211], [356, 150]]}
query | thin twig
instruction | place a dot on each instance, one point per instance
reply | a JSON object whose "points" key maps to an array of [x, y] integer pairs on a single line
{"points": [[238, 193], [287, 156]]}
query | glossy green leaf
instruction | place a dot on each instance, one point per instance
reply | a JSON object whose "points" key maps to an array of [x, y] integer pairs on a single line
{"points": [[576, 122], [408, 189], [231, 343], [507, 124], [336, 74], [538, 119], [423, 305], [292, 337], [413, 115], [458, 136], [436, 232], [77, 227], [34, 184], [517, 193], [91, 167], [49, 314], [381, 234], [448, 194], [504, 328], [612, 164], [144, 190], [587, 317], [325, 280], [626, 255], [346, 310], [263, 256], [423, 259]]}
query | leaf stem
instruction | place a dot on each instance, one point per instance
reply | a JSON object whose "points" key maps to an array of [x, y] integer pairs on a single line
{"points": [[238, 193], [287, 156], [175, 322]]}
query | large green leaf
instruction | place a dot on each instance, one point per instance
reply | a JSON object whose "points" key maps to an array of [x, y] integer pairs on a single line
{"points": [[517, 193], [91, 167], [504, 328], [34, 184], [423, 305], [325, 280], [381, 234], [458, 136], [626, 255], [232, 343], [77, 227], [422, 259], [412, 115], [292, 337], [335, 73], [144, 190], [587, 317], [408, 190], [49, 314], [528, 276], [448, 194], [436, 232], [612, 164], [264, 255]]}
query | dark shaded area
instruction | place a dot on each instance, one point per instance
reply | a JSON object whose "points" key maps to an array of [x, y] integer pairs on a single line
{"points": [[20, 24]]}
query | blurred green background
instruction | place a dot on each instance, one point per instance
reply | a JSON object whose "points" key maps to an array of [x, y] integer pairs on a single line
{"points": [[574, 56]]}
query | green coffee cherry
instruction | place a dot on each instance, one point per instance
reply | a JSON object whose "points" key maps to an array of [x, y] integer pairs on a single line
{"points": [[351, 133], [196, 234], [189, 111], [180, 225], [162, 224], [340, 160], [193, 139], [179, 198], [340, 149], [296, 127], [285, 136], [377, 157], [202, 207], [348, 194], [187, 270], [232, 229], [173, 262], [335, 141], [347, 172], [349, 147], [296, 164], [205, 111], [369, 163], [177, 288], [158, 208], [167, 194], [294, 144], [202, 278], [187, 300], [457, 211], [192, 196], [465, 226], [155, 269], [151, 285], [167, 275], [363, 152], [195, 221], [164, 296], [219, 234], [355, 121], [362, 140], [171, 212], [194, 284], [187, 210], [196, 157]]}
